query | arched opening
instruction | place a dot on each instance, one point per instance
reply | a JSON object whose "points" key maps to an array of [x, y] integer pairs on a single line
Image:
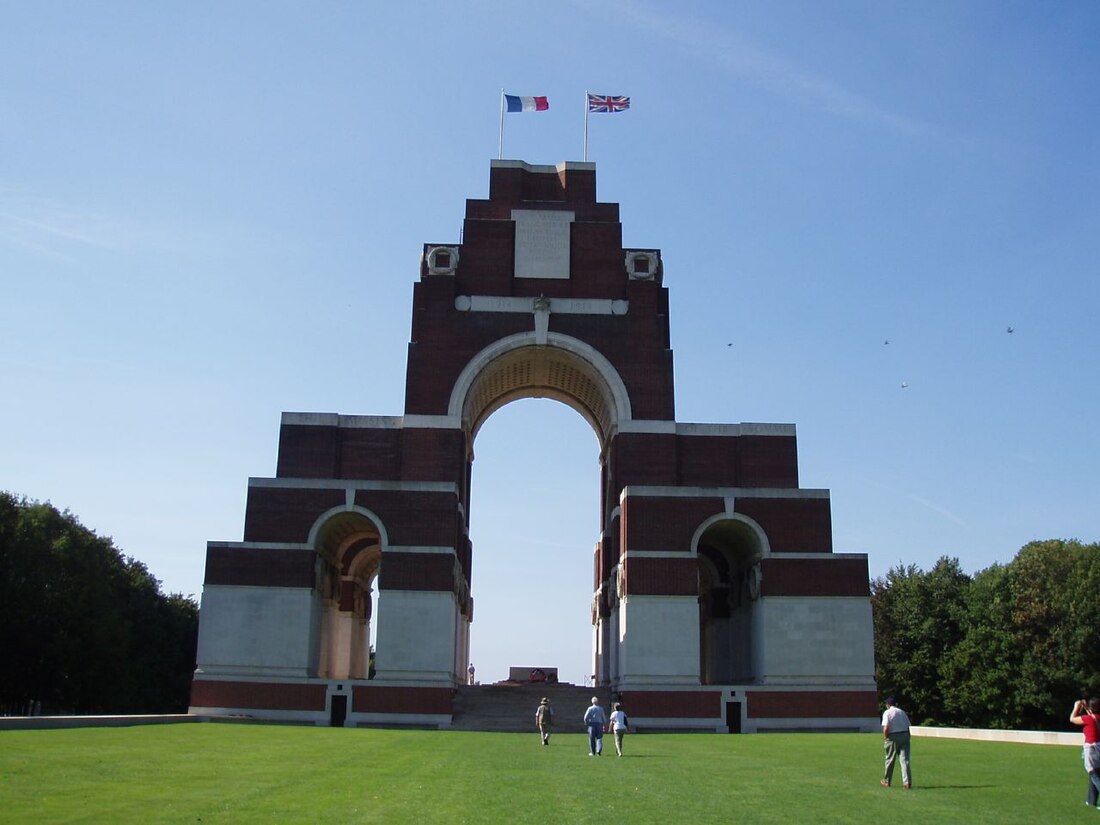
{"points": [[349, 554], [562, 368], [534, 522], [527, 528], [729, 553]]}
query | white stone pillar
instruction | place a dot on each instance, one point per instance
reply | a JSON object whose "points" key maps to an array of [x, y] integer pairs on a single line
{"points": [[659, 640], [416, 636]]}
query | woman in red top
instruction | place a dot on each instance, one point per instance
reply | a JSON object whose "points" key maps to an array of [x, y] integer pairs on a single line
{"points": [[1087, 715]]}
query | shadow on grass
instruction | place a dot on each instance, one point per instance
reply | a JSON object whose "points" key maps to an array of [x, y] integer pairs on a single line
{"points": [[952, 787]]}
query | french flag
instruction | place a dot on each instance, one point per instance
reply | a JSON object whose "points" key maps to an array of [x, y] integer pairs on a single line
{"points": [[516, 103]]}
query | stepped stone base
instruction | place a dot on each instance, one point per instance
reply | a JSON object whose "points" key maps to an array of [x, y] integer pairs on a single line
{"points": [[510, 708]]}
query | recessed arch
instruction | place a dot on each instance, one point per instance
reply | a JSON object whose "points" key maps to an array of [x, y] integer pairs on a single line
{"points": [[731, 526], [349, 542], [564, 369], [334, 528], [729, 548]]}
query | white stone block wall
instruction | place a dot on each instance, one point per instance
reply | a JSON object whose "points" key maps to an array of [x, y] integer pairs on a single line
{"points": [[416, 635], [258, 631], [658, 640], [823, 639]]}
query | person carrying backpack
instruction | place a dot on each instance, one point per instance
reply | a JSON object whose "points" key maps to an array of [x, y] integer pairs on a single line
{"points": [[544, 718]]}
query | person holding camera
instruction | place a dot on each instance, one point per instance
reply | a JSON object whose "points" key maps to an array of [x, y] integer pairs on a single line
{"points": [[895, 739], [1087, 716]]}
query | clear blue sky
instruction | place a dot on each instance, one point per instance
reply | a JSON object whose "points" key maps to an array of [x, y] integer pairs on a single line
{"points": [[211, 213]]}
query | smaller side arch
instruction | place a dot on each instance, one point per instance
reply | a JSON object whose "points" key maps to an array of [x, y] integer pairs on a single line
{"points": [[348, 542], [334, 527], [751, 525], [729, 548]]}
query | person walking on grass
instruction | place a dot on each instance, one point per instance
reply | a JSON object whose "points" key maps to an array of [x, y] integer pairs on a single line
{"points": [[544, 718], [895, 736], [1087, 716], [619, 725], [595, 720]]}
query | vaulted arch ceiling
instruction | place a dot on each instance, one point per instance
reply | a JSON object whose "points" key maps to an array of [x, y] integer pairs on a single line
{"points": [[542, 372]]}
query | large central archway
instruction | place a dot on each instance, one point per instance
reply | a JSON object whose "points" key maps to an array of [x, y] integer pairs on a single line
{"points": [[562, 368], [534, 525]]}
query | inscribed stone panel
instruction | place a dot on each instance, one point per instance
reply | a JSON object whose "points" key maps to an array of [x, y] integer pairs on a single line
{"points": [[542, 243]]}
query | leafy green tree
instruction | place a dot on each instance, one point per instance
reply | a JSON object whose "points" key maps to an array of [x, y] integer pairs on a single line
{"points": [[83, 628], [1010, 648], [918, 617], [1055, 616], [980, 673]]}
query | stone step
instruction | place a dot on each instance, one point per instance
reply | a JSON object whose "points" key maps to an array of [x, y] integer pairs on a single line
{"points": [[511, 707]]}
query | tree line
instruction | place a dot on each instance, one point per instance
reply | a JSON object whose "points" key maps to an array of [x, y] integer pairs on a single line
{"points": [[1010, 647], [85, 629]]}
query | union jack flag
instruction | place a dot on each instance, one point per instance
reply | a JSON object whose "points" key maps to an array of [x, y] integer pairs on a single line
{"points": [[607, 103]]}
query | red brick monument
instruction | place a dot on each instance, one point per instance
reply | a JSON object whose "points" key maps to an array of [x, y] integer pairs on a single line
{"points": [[719, 603]]}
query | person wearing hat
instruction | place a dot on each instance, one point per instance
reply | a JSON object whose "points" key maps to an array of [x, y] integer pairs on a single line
{"points": [[595, 720], [544, 718], [619, 725]]}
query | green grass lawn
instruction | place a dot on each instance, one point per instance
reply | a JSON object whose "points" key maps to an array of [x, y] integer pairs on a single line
{"points": [[222, 773]]}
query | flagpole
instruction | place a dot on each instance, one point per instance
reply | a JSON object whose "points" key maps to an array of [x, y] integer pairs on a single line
{"points": [[500, 151], [586, 125]]}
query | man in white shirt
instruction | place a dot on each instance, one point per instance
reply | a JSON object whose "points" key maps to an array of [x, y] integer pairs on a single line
{"points": [[895, 735], [595, 720]]}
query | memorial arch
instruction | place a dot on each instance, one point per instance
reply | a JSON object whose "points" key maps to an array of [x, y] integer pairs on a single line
{"points": [[717, 592]]}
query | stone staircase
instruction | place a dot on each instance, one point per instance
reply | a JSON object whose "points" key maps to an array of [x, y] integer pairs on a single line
{"points": [[510, 708]]}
